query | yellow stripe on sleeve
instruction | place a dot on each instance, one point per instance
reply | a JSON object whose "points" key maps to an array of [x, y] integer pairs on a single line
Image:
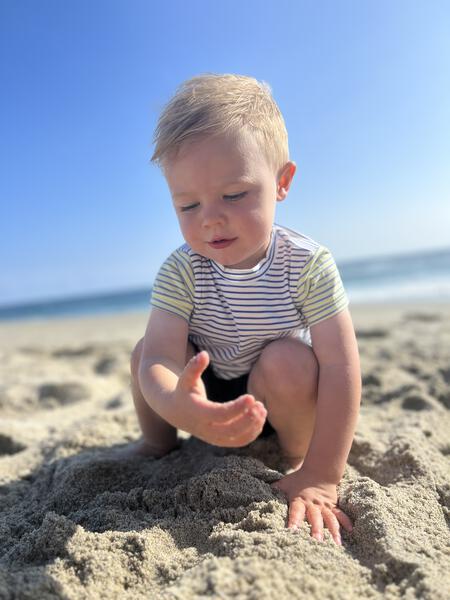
{"points": [[320, 293], [173, 289]]}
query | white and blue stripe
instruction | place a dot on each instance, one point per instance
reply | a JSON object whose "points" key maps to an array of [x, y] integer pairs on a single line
{"points": [[234, 313]]}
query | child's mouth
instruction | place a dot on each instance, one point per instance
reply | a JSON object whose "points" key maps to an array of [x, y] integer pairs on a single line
{"points": [[221, 243]]}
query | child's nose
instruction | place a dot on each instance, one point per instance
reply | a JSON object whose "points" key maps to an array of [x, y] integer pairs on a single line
{"points": [[212, 216]]}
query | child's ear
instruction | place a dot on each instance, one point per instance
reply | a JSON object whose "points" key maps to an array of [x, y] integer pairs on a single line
{"points": [[285, 179]]}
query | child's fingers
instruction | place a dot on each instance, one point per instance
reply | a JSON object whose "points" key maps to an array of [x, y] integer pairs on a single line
{"points": [[223, 412], [332, 524], [194, 369], [342, 518], [314, 516], [245, 438], [296, 513], [247, 418]]}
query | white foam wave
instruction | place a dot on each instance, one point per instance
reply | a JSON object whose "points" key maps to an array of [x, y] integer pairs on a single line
{"points": [[432, 289]]}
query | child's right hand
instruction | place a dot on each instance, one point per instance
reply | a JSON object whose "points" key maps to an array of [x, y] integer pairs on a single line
{"points": [[231, 424]]}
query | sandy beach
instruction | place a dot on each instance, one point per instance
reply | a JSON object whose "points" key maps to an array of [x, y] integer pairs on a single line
{"points": [[203, 522]]}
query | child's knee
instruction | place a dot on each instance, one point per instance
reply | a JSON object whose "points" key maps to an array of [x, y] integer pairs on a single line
{"points": [[287, 360]]}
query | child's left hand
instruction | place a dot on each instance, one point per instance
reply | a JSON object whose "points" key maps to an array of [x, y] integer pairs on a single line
{"points": [[317, 500]]}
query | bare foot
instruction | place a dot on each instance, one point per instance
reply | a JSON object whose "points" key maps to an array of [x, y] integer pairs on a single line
{"points": [[142, 448]]}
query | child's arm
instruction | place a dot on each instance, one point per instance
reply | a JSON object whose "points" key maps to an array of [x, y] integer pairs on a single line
{"points": [[312, 489], [177, 393]]}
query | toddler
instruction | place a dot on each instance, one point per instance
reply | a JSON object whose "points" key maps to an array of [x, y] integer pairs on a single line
{"points": [[249, 331]]}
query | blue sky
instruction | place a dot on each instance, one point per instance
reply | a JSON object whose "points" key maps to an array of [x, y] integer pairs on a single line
{"points": [[364, 87]]}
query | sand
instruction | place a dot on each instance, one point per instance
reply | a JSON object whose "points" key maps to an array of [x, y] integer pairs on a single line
{"points": [[203, 522]]}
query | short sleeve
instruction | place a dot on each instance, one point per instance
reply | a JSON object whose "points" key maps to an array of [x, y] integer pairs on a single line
{"points": [[173, 289], [320, 292]]}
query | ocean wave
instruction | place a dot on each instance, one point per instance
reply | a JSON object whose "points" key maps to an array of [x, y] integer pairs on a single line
{"points": [[429, 289]]}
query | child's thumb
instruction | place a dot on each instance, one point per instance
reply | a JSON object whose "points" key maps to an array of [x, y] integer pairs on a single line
{"points": [[195, 367]]}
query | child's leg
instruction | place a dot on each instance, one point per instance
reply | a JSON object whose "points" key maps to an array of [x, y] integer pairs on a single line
{"points": [[285, 380], [158, 436]]}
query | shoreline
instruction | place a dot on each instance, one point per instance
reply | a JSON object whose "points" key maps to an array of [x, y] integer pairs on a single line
{"points": [[122, 325]]}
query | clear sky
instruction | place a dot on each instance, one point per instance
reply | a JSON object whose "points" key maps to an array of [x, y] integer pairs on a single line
{"points": [[364, 87]]}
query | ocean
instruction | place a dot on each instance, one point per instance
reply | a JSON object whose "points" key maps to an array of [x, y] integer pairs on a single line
{"points": [[404, 278]]}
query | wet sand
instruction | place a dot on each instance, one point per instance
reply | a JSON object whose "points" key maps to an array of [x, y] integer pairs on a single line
{"points": [[203, 522]]}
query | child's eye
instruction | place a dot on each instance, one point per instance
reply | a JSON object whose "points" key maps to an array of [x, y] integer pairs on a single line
{"points": [[235, 197], [231, 198], [191, 206]]}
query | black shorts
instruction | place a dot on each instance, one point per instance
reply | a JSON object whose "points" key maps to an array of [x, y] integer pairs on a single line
{"points": [[223, 390]]}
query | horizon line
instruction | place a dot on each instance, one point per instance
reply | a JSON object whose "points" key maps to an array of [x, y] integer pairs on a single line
{"points": [[115, 292]]}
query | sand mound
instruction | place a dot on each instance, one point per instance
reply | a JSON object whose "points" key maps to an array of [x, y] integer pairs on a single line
{"points": [[204, 522]]}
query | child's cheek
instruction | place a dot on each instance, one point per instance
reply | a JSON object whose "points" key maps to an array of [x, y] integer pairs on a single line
{"points": [[188, 226]]}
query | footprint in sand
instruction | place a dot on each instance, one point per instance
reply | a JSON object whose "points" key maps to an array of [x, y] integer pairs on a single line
{"points": [[9, 446], [371, 379], [423, 317], [416, 402], [445, 450], [106, 365], [73, 352], [116, 402], [365, 334], [56, 394]]}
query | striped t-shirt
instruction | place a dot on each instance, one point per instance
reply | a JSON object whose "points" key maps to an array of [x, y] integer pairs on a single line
{"points": [[234, 313]]}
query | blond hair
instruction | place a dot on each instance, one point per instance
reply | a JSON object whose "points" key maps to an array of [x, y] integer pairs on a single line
{"points": [[212, 104]]}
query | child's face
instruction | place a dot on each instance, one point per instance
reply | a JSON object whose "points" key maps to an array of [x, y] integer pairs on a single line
{"points": [[224, 194]]}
